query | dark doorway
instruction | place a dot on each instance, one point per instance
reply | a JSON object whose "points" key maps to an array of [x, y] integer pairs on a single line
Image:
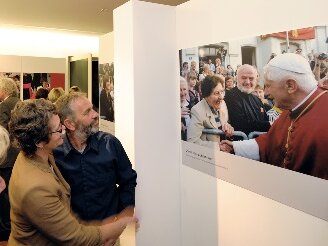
{"points": [[248, 55]]}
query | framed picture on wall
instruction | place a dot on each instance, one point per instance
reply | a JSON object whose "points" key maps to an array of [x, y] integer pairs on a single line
{"points": [[262, 98], [44, 82], [106, 97]]}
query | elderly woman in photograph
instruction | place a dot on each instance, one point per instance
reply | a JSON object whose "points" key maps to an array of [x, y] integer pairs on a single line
{"points": [[39, 195], [209, 113]]}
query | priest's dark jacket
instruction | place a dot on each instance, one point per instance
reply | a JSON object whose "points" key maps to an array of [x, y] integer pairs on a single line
{"points": [[246, 112], [308, 141]]}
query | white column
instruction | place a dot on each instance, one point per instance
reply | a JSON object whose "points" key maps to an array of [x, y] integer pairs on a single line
{"points": [[146, 93]]}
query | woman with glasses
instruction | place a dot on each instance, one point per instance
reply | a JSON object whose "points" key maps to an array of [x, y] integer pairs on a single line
{"points": [[39, 195], [209, 113]]}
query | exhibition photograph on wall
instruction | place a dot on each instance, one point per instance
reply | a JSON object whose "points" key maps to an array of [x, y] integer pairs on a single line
{"points": [[106, 97], [38, 85], [106, 88], [262, 97]]}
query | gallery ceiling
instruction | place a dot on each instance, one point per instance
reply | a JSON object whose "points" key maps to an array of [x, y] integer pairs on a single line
{"points": [[92, 16]]}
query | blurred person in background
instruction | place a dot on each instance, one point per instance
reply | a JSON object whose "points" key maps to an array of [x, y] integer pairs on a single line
{"points": [[74, 88], [193, 68], [229, 82], [4, 144], [194, 96], [206, 71], [106, 99], [55, 93], [230, 71], [185, 70], [41, 93], [9, 98], [259, 92], [320, 69], [185, 108]]}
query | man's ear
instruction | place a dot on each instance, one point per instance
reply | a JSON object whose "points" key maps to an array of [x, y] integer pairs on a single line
{"points": [[291, 86], [69, 124]]}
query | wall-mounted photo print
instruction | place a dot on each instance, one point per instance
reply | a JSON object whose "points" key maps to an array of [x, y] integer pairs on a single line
{"points": [[106, 88], [264, 98], [38, 85]]}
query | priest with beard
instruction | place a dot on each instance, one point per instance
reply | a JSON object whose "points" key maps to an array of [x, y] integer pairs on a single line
{"points": [[246, 111]]}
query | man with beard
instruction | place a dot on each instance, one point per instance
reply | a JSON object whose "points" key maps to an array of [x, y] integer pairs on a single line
{"points": [[94, 163], [246, 111]]}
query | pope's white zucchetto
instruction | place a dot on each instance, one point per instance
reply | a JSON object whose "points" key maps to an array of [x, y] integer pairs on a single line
{"points": [[291, 62]]}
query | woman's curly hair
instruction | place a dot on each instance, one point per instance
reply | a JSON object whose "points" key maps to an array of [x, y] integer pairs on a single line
{"points": [[29, 124]]}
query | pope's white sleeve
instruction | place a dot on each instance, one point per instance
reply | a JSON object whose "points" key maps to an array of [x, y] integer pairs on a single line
{"points": [[247, 148]]}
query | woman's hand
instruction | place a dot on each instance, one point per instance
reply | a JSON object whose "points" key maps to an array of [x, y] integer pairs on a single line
{"points": [[185, 112], [111, 229], [228, 129]]}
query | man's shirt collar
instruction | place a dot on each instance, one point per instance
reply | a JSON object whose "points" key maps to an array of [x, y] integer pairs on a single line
{"points": [[92, 143], [304, 100]]}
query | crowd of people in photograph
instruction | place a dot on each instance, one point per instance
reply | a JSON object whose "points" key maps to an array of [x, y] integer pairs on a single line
{"points": [[35, 84], [106, 97], [62, 181], [222, 103]]}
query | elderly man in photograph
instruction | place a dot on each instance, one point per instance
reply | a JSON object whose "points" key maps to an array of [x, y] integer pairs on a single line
{"points": [[298, 139], [246, 111]]}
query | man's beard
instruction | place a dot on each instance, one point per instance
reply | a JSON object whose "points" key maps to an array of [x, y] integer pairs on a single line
{"points": [[84, 132], [245, 90]]}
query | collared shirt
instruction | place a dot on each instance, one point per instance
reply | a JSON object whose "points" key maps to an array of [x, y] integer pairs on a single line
{"points": [[217, 116], [306, 98], [101, 177]]}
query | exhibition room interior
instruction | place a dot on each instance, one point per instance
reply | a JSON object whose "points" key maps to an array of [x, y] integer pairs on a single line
{"points": [[182, 198]]}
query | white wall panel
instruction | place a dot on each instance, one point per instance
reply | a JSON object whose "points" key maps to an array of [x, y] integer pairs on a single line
{"points": [[146, 87]]}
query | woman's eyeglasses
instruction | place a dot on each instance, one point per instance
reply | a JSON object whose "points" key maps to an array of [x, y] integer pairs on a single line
{"points": [[60, 130]]}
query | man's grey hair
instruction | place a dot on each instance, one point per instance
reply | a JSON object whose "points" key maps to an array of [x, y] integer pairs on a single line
{"points": [[244, 67], [183, 80], [64, 105], [305, 81], [8, 86]]}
